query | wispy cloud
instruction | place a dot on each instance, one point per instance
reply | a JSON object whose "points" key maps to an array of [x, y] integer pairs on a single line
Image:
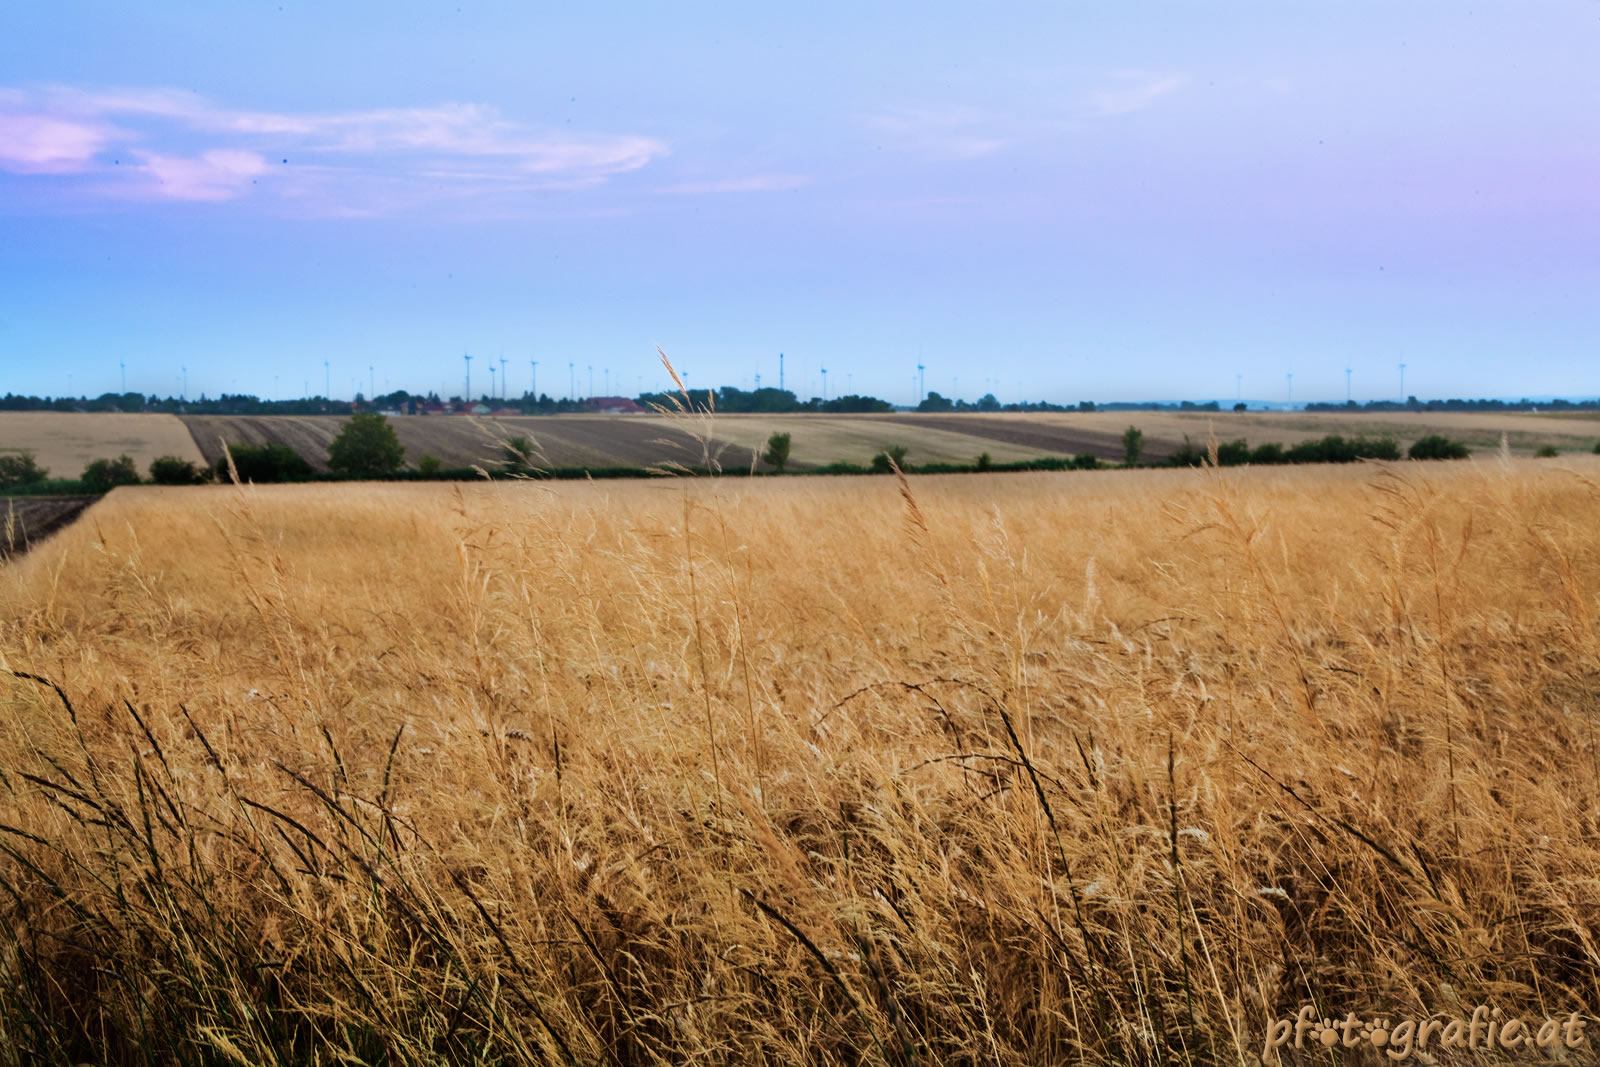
{"points": [[1134, 91], [753, 183], [182, 146], [957, 132]]}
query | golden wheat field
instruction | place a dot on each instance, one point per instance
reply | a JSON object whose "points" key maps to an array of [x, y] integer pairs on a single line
{"points": [[1095, 767]]}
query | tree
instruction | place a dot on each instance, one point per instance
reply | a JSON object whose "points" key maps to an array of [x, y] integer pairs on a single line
{"points": [[104, 475], [1241, 406], [20, 468], [264, 463], [777, 453], [366, 447], [1132, 445], [170, 470], [429, 465]]}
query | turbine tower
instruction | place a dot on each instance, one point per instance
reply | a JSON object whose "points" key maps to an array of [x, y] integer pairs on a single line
{"points": [[468, 395], [824, 385], [533, 379], [1347, 385], [922, 393], [1291, 389], [780, 370], [502, 377], [1402, 383]]}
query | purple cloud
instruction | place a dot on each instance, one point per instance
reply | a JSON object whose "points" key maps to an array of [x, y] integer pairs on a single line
{"points": [[189, 148]]}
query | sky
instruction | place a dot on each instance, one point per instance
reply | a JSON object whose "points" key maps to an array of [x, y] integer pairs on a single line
{"points": [[1066, 201]]}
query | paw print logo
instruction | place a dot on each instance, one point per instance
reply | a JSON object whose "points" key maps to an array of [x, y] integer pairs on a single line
{"points": [[1324, 1032], [1376, 1031]]}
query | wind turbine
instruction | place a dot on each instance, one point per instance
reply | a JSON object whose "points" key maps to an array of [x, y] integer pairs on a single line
{"points": [[502, 377], [468, 396], [533, 378]]}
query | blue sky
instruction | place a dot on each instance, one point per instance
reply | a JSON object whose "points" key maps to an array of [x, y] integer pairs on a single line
{"points": [[1065, 201]]}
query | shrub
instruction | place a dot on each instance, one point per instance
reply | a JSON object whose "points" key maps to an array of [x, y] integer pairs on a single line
{"points": [[1085, 461], [985, 461], [1437, 446], [1597, 448], [519, 455], [1241, 406], [1133, 445], [1267, 454], [264, 463], [429, 465], [366, 447], [1188, 456], [890, 458], [1548, 452], [104, 475], [170, 470], [777, 453], [20, 468], [1233, 453]]}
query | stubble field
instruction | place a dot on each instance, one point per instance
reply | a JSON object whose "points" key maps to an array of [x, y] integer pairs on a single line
{"points": [[65, 442], [1050, 768]]}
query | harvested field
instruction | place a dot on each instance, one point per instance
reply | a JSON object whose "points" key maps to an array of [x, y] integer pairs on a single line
{"points": [[1032, 433], [1057, 768], [459, 441], [26, 521], [66, 442], [822, 439]]}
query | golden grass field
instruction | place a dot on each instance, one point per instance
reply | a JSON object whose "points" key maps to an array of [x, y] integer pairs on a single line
{"points": [[1095, 767], [66, 442]]}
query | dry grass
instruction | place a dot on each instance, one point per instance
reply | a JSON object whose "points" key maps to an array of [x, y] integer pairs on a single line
{"points": [[1055, 768], [66, 442]]}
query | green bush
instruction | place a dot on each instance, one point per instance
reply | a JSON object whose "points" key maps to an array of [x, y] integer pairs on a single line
{"points": [[20, 468], [1437, 446], [1190, 455], [429, 465], [1233, 453], [1548, 452], [519, 453], [890, 458], [985, 461], [104, 475], [1268, 454], [1085, 461], [171, 470], [264, 463], [366, 447]]}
